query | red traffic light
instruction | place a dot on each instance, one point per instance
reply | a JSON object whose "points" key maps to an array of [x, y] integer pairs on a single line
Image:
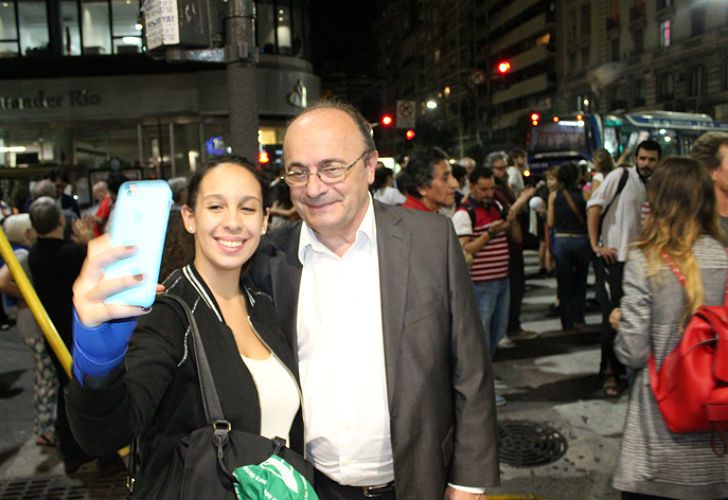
{"points": [[504, 67], [535, 117], [410, 134], [386, 120]]}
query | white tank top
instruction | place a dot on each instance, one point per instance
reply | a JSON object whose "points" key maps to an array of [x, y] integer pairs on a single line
{"points": [[278, 394]]}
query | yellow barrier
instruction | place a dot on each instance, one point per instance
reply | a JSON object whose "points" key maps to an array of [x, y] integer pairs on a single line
{"points": [[31, 298]]}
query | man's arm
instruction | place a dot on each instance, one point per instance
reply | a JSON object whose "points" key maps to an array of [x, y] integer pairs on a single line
{"points": [[475, 461], [594, 214]]}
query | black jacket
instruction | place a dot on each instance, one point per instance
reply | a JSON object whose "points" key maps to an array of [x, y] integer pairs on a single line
{"points": [[158, 396]]}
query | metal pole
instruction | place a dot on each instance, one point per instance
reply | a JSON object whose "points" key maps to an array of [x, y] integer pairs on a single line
{"points": [[172, 161], [241, 79], [140, 145]]}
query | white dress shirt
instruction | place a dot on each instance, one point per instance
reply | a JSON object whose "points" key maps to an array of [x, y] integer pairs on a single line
{"points": [[341, 359]]}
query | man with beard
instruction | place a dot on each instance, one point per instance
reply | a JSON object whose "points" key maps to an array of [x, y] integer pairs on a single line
{"points": [[614, 220], [481, 227]]}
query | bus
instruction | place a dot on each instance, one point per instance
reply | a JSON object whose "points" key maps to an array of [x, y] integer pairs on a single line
{"points": [[560, 138]]}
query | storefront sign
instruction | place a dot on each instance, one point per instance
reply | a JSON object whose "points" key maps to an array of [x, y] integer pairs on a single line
{"points": [[74, 99]]}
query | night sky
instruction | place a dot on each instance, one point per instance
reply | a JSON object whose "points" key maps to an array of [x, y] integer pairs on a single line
{"points": [[342, 36]]}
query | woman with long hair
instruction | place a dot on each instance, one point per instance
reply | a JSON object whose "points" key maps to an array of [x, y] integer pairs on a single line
{"points": [[603, 164], [680, 237]]}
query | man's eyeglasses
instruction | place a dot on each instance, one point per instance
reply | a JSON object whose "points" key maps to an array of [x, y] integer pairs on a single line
{"points": [[329, 174]]}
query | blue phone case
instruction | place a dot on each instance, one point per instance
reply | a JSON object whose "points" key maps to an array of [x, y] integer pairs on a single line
{"points": [[139, 218]]}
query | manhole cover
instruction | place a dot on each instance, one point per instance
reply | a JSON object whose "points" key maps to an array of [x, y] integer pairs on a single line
{"points": [[63, 488], [522, 443]]}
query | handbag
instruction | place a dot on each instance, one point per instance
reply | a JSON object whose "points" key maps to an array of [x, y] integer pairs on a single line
{"points": [[691, 386], [202, 463]]}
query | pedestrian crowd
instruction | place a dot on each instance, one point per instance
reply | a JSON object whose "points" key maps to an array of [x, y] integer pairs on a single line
{"points": [[352, 315]]}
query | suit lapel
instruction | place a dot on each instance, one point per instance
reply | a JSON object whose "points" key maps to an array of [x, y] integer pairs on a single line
{"points": [[393, 242]]}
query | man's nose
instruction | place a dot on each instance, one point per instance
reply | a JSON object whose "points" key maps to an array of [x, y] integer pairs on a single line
{"points": [[315, 186]]}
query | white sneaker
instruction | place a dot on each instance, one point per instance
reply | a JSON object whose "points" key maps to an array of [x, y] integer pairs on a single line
{"points": [[500, 400], [505, 342]]}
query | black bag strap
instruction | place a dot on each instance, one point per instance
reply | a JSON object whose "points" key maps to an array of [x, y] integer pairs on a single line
{"points": [[620, 187], [210, 399], [572, 206]]}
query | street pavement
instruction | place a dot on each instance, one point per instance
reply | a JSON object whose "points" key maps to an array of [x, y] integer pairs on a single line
{"points": [[551, 380]]}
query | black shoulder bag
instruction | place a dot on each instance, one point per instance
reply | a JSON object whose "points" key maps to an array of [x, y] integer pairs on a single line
{"points": [[202, 463]]}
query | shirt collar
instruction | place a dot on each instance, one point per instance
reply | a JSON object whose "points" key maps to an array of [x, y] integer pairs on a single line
{"points": [[309, 240]]}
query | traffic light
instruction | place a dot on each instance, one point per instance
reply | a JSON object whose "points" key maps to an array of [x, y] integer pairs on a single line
{"points": [[409, 134], [535, 117], [263, 157], [386, 120], [503, 68]]}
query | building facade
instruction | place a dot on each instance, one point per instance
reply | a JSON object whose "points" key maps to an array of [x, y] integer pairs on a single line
{"points": [[77, 89], [643, 54]]}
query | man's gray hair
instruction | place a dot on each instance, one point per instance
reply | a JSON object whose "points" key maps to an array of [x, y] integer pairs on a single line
{"points": [[44, 188], [495, 156], [45, 215]]}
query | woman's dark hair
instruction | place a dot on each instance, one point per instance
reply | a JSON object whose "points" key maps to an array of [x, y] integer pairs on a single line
{"points": [[420, 169], [194, 184], [381, 174], [568, 176]]}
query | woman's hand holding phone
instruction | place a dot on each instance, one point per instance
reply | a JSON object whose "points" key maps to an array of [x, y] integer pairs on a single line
{"points": [[91, 288]]}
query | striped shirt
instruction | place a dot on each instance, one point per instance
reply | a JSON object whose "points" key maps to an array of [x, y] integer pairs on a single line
{"points": [[491, 262]]}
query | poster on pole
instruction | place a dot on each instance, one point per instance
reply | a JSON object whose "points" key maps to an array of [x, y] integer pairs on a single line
{"points": [[405, 114], [161, 23]]}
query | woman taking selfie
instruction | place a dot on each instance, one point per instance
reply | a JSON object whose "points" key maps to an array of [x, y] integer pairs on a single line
{"points": [[680, 242], [151, 390]]}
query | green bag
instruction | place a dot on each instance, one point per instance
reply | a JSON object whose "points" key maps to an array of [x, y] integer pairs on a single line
{"points": [[273, 479]]}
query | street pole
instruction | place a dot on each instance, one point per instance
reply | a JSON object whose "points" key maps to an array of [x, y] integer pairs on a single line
{"points": [[241, 56]]}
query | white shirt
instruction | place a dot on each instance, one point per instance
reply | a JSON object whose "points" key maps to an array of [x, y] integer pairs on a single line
{"points": [[389, 195], [515, 180], [277, 393], [341, 359], [622, 222]]}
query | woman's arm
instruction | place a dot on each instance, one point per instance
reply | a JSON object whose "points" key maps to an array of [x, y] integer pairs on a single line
{"points": [[632, 344], [550, 210]]}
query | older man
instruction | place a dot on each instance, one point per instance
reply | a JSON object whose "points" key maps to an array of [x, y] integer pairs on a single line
{"points": [[429, 183], [398, 397]]}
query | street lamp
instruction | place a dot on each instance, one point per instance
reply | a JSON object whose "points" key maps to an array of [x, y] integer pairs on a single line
{"points": [[431, 104]]}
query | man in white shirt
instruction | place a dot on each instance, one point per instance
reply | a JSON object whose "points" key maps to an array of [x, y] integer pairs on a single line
{"points": [[398, 398], [515, 171], [614, 221]]}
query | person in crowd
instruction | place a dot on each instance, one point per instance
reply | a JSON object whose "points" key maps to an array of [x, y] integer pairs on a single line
{"points": [[497, 161], [681, 237], [469, 164], [54, 264], [101, 194], [429, 182], [515, 170], [178, 186], [21, 235], [413, 381], [144, 389], [482, 229], [552, 185], [59, 178], [567, 215], [461, 176], [603, 164], [614, 222], [711, 150], [382, 188]]}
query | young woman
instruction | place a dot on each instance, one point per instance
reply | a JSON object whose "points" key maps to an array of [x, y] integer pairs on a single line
{"points": [[681, 231], [603, 164], [567, 215], [151, 389]]}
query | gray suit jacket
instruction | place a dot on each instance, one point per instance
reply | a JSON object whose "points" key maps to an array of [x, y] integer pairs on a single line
{"points": [[439, 377]]}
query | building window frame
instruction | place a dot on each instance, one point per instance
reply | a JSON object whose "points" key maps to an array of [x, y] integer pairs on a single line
{"points": [[665, 33]]}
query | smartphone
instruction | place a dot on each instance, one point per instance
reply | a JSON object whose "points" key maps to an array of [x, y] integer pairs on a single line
{"points": [[139, 218], [504, 212]]}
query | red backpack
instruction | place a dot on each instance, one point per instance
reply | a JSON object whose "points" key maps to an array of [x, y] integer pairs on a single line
{"points": [[691, 386]]}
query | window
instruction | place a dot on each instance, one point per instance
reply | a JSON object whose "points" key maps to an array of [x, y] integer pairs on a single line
{"points": [[70, 28], [96, 28], [639, 93], [279, 27], [697, 20], [33, 22], [585, 20], [283, 29], [638, 38], [615, 50], [665, 87], [126, 30], [8, 30], [697, 85], [665, 33]]}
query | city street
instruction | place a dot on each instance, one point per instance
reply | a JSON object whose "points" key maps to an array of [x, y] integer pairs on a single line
{"points": [[549, 380]]}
